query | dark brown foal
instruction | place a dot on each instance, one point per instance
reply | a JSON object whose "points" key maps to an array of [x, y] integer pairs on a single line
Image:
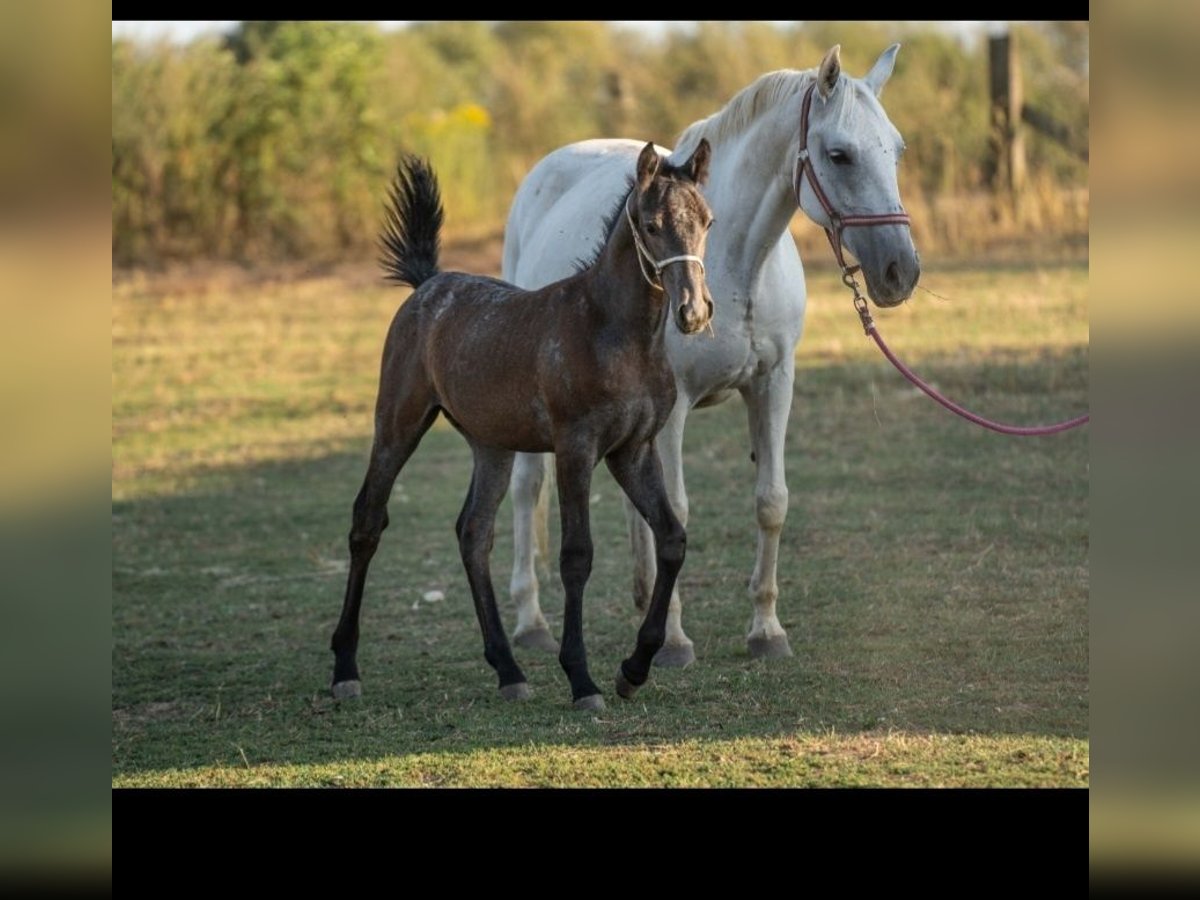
{"points": [[577, 367]]}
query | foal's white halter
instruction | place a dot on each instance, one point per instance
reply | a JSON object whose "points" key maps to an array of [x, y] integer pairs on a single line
{"points": [[657, 264]]}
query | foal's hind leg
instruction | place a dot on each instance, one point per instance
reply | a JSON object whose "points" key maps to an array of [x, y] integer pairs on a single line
{"points": [[574, 470], [638, 471], [394, 444], [476, 531]]}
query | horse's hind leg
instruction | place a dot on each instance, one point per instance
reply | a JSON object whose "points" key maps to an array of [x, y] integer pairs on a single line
{"points": [[528, 486], [476, 531], [399, 430], [639, 473]]}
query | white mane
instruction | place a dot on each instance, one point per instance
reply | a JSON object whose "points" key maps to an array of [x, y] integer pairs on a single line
{"points": [[746, 106], [757, 98]]}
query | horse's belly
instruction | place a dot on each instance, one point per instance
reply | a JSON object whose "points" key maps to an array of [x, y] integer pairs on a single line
{"points": [[497, 420]]}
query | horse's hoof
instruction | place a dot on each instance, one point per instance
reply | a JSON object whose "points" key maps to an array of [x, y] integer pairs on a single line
{"points": [[591, 702], [625, 687], [517, 691], [773, 647], [347, 690], [536, 639], [675, 656]]}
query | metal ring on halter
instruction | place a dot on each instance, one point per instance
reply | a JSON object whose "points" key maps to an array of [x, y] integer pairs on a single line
{"points": [[657, 265]]}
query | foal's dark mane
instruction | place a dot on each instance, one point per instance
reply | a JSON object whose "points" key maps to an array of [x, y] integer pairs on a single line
{"points": [[611, 218]]}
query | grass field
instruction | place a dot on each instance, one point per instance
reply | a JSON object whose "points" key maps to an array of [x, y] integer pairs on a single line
{"points": [[933, 576]]}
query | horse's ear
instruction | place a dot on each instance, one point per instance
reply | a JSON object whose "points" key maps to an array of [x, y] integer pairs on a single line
{"points": [[830, 71], [697, 166], [647, 166], [882, 70]]}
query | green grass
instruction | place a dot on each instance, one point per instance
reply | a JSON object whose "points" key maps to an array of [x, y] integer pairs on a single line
{"points": [[933, 576]]}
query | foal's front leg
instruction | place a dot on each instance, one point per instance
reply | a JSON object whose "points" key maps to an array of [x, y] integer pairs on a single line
{"points": [[640, 475], [677, 650], [574, 469]]}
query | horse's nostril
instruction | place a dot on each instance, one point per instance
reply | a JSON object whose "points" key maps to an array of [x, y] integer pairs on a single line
{"points": [[892, 274]]}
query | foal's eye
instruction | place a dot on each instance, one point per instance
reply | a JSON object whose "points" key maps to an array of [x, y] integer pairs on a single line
{"points": [[711, 223], [840, 157]]}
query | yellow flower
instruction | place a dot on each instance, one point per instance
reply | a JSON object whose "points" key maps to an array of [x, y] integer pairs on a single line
{"points": [[473, 114]]}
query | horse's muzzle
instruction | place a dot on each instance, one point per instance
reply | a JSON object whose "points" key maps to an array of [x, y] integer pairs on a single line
{"points": [[692, 318]]}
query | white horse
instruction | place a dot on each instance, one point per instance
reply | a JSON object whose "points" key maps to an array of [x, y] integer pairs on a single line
{"points": [[756, 280]]}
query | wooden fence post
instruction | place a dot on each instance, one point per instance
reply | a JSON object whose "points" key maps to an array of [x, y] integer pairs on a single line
{"points": [[1006, 168]]}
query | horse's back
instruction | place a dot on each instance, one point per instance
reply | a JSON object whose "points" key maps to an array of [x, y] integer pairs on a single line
{"points": [[557, 216]]}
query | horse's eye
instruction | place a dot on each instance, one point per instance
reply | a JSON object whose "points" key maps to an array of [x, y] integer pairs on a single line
{"points": [[651, 228], [840, 157], [711, 223]]}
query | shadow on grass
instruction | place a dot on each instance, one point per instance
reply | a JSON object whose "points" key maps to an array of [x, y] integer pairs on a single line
{"points": [[933, 578]]}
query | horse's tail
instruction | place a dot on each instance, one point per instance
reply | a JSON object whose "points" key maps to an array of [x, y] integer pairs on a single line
{"points": [[410, 240]]}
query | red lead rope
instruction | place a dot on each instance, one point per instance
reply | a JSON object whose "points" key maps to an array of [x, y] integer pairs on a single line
{"points": [[1023, 431], [805, 169]]}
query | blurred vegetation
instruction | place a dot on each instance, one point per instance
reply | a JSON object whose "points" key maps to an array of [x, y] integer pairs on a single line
{"points": [[277, 141]]}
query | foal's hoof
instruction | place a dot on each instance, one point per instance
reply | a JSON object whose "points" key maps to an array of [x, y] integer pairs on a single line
{"points": [[625, 687], [347, 690], [518, 691], [591, 702], [675, 656], [773, 647], [536, 639]]}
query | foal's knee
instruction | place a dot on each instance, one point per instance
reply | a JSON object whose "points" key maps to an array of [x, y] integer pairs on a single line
{"points": [[474, 538], [771, 506], [672, 546], [367, 525], [575, 562]]}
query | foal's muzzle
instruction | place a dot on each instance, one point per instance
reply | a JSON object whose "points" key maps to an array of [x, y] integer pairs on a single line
{"points": [[696, 311]]}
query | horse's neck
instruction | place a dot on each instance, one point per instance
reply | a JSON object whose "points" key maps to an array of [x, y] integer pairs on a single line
{"points": [[750, 193], [620, 291]]}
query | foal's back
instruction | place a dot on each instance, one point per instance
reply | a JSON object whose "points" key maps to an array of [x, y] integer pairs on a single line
{"points": [[496, 358]]}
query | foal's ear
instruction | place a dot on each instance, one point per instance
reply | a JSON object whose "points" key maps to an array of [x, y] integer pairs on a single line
{"points": [[647, 166], [697, 166], [830, 71]]}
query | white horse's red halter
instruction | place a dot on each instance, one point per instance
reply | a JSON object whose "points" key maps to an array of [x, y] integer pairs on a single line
{"points": [[837, 222], [657, 264]]}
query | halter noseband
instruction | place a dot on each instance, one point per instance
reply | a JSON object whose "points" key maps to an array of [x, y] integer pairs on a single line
{"points": [[837, 222], [657, 264]]}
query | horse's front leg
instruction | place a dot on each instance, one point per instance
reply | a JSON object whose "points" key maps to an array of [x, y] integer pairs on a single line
{"points": [[769, 401], [573, 466], [638, 471], [677, 650]]}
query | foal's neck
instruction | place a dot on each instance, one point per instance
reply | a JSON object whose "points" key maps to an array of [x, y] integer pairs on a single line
{"points": [[620, 292]]}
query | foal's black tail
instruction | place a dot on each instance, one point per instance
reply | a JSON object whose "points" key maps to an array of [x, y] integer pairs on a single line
{"points": [[412, 222]]}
